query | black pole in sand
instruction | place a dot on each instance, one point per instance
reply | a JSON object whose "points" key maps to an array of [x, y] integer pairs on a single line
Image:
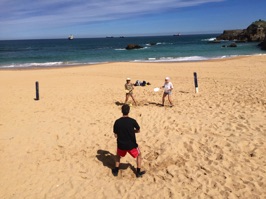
{"points": [[196, 82], [37, 90]]}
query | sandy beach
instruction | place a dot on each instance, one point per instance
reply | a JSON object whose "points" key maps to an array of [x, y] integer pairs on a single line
{"points": [[209, 145]]}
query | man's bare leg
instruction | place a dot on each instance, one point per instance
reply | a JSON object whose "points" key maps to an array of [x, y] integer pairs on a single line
{"points": [[126, 98], [170, 100], [117, 163], [133, 99], [164, 95], [139, 173]]}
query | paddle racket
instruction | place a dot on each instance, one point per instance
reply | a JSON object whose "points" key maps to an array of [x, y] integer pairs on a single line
{"points": [[156, 89]]}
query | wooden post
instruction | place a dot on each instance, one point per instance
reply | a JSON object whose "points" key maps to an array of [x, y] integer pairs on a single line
{"points": [[37, 90], [196, 82]]}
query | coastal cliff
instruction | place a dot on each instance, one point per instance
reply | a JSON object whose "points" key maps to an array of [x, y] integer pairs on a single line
{"points": [[254, 32], [262, 45]]}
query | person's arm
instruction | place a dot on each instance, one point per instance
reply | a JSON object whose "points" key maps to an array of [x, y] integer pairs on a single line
{"points": [[115, 129], [132, 87], [137, 130], [171, 87]]}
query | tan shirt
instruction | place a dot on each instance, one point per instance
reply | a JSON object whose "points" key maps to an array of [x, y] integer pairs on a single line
{"points": [[129, 87]]}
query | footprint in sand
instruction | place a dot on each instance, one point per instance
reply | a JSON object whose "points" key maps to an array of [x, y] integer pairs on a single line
{"points": [[188, 147], [152, 156]]}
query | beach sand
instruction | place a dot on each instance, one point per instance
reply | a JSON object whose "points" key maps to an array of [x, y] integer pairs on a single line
{"points": [[209, 145]]}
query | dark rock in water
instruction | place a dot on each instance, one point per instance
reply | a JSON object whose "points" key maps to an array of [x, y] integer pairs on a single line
{"points": [[133, 46], [255, 32], [233, 45], [240, 41], [229, 35], [153, 43], [262, 45]]}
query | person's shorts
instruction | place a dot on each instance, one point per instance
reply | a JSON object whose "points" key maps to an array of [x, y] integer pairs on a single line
{"points": [[133, 152], [168, 93]]}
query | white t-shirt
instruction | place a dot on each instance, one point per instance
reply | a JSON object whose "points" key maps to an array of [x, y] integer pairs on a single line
{"points": [[168, 86]]}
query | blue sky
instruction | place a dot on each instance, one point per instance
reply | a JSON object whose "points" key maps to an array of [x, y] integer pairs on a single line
{"points": [[41, 19]]}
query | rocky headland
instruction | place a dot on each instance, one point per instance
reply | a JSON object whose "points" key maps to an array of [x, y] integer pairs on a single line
{"points": [[256, 32]]}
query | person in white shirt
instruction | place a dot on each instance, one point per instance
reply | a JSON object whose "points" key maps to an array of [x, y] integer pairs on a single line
{"points": [[168, 87]]}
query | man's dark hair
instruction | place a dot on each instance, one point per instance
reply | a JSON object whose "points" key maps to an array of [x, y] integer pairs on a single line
{"points": [[125, 109]]}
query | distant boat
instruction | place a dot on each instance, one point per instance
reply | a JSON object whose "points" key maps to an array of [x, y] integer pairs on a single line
{"points": [[70, 37], [176, 35]]}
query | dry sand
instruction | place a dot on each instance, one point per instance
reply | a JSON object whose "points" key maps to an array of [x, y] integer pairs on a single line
{"points": [[209, 145]]}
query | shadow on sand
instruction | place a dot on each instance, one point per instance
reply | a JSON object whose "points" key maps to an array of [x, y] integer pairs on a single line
{"points": [[141, 104], [119, 103], [156, 104], [108, 160], [184, 92]]}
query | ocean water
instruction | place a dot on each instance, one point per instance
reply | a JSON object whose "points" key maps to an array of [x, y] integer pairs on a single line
{"points": [[64, 52]]}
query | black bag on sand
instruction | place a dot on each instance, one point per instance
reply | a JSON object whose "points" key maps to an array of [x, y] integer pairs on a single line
{"points": [[143, 83]]}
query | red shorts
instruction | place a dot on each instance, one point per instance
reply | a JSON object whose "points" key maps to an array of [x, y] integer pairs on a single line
{"points": [[133, 152]]}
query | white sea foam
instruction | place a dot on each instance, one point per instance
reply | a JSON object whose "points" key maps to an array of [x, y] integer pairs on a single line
{"points": [[158, 43], [173, 59], [209, 39], [213, 39], [48, 64], [151, 44], [26, 65], [183, 59]]}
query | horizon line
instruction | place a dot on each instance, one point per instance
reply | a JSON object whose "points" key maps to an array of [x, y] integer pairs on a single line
{"points": [[112, 36]]}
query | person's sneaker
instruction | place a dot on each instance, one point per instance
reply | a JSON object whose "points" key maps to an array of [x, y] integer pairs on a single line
{"points": [[140, 174], [115, 172]]}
